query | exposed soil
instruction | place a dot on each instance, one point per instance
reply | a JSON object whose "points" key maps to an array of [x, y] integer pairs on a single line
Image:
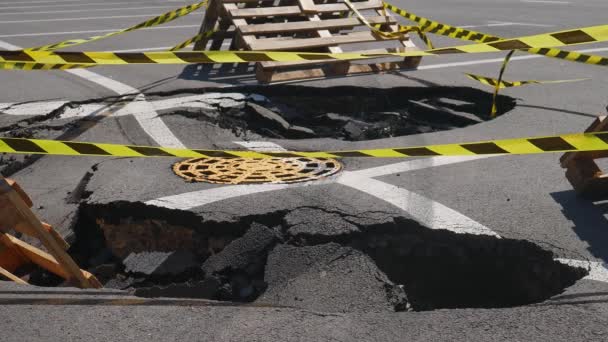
{"points": [[311, 258]]}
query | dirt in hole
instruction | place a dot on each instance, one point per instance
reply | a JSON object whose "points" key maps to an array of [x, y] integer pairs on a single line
{"points": [[312, 258], [349, 113]]}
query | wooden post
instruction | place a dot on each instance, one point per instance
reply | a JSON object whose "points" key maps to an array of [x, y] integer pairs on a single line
{"points": [[16, 214]]}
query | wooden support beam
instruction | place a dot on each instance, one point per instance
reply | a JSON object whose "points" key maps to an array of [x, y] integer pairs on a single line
{"points": [[11, 276], [27, 221], [46, 261]]}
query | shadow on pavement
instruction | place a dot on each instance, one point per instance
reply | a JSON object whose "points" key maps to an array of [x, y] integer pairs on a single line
{"points": [[589, 218]]}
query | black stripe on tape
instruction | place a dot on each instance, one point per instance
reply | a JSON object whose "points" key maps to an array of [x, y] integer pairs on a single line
{"points": [[135, 58], [151, 151], [350, 154], [510, 45], [573, 37], [603, 61], [417, 151], [87, 148], [484, 148], [310, 57], [562, 54], [74, 57], [23, 145], [282, 154], [252, 57], [583, 58], [194, 58], [218, 154], [445, 51], [603, 137], [551, 144], [16, 56]]}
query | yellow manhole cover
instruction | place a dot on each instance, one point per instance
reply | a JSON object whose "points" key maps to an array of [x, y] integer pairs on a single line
{"points": [[255, 171]]}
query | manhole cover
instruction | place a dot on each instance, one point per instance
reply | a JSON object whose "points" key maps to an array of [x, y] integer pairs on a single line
{"points": [[249, 170]]}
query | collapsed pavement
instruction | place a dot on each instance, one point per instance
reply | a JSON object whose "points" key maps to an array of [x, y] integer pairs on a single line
{"points": [[312, 258]]}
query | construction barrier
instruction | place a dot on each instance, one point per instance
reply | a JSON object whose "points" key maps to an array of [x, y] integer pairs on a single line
{"points": [[576, 142]]}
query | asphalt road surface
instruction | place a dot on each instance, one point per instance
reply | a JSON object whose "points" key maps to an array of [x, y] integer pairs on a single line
{"points": [[488, 237]]}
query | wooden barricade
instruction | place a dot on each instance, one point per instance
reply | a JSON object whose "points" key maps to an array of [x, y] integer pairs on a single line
{"points": [[307, 26], [15, 214], [588, 180]]}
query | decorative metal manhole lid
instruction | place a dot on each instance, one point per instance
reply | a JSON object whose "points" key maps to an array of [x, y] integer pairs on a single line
{"points": [[256, 171]]}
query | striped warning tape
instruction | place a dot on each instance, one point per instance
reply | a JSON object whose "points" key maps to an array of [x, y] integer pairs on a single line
{"points": [[159, 20], [509, 84], [400, 32], [431, 26], [532, 145], [540, 41]]}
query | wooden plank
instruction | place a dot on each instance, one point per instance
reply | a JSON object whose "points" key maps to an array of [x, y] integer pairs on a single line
{"points": [[11, 259], [600, 124], [307, 6], [300, 26], [12, 277], [33, 223], [45, 260], [296, 10], [277, 76], [270, 65], [298, 44]]}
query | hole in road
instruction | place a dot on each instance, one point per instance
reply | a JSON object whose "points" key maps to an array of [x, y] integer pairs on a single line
{"points": [[311, 258], [348, 113]]}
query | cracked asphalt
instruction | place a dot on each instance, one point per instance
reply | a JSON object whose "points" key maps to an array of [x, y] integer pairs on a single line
{"points": [[321, 283]]}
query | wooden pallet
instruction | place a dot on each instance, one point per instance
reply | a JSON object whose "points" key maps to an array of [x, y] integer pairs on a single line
{"points": [[588, 180], [15, 214], [305, 25]]}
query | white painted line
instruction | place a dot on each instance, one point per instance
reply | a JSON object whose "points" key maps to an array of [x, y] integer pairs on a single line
{"points": [[37, 2], [260, 146], [413, 165], [89, 10], [92, 31], [77, 19], [145, 114], [597, 270], [30, 108], [506, 24], [203, 197], [497, 60], [545, 2], [72, 5], [429, 213]]}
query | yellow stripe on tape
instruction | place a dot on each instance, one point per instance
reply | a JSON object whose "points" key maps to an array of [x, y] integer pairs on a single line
{"points": [[531, 145], [568, 37]]}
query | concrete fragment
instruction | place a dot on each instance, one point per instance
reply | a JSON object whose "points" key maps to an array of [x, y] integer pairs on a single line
{"points": [[159, 263]]}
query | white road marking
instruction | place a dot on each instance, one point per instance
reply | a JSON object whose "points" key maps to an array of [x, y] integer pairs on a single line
{"points": [[501, 23], [72, 5], [431, 214], [497, 60], [143, 111], [37, 2], [89, 10], [78, 19], [597, 270], [260, 146], [545, 2], [30, 108], [93, 31]]}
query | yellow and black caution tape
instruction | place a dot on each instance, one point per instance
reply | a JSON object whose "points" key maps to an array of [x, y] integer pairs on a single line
{"points": [[509, 84], [540, 41], [595, 141], [194, 39], [431, 26], [399, 33], [159, 20]]}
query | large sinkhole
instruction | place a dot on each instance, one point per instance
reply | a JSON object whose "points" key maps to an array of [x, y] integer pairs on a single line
{"points": [[346, 113], [311, 258]]}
